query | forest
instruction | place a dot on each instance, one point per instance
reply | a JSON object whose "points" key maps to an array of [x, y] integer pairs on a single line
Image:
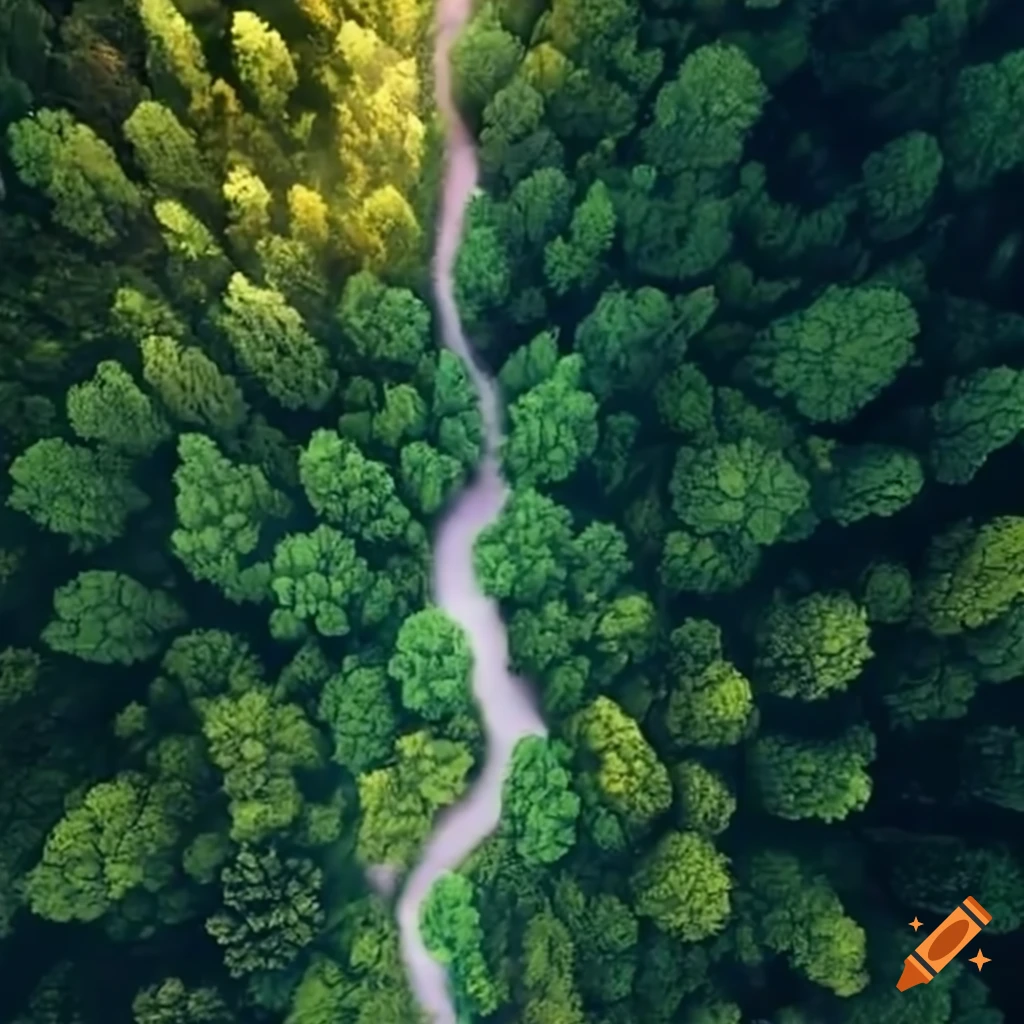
{"points": [[748, 273]]}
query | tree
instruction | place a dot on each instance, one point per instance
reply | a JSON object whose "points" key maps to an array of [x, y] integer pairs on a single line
{"points": [[684, 886], [520, 556], [270, 340], [258, 744], [484, 58], [783, 907], [433, 665], [111, 618], [824, 779], [977, 415], [78, 172], [222, 509], [971, 576], [110, 408], [867, 480], [624, 339], [122, 837], [358, 707], [383, 324], [351, 491], [539, 808], [453, 933], [263, 63], [836, 355], [899, 181], [85, 494], [706, 802], [702, 116], [399, 802], [553, 428], [168, 151], [713, 707], [744, 489], [171, 1002], [319, 579], [272, 910], [979, 111], [191, 386], [812, 647], [631, 781]]}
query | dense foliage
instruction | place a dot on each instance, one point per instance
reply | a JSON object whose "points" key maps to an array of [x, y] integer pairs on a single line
{"points": [[745, 272]]}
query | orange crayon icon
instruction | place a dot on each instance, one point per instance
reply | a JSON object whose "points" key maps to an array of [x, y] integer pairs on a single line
{"points": [[943, 944]]}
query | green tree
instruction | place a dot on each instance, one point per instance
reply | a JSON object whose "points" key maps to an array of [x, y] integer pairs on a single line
{"points": [[867, 480], [272, 911], [358, 707], [745, 490], [784, 908], [168, 151], [172, 1002], [351, 491], [263, 62], [453, 932], [399, 802], [433, 665], [977, 136], [812, 647], [976, 416], [111, 618], [539, 808], [258, 744], [712, 707], [316, 578], [191, 386], [520, 556], [221, 511], [110, 408], [684, 886], [384, 325], [484, 58], [630, 779], [624, 340], [552, 428], [85, 494], [706, 803], [899, 182], [826, 779], [702, 116], [971, 575], [428, 478], [839, 353], [79, 172], [270, 341], [123, 836]]}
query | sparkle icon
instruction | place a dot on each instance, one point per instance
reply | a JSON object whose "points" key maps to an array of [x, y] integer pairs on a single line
{"points": [[979, 960], [915, 924]]}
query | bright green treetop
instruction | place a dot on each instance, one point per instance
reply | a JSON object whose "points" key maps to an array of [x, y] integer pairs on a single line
{"points": [[317, 579], [433, 665], [110, 408], [85, 494], [111, 618], [539, 807], [812, 647], [684, 886]]}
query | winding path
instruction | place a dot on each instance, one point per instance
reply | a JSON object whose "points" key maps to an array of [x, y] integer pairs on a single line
{"points": [[505, 702]]}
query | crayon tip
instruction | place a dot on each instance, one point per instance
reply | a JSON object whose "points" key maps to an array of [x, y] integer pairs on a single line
{"points": [[911, 977]]}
